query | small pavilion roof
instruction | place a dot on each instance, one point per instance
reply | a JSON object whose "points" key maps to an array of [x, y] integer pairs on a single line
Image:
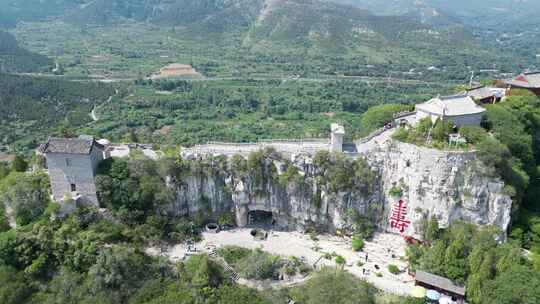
{"points": [[439, 282], [456, 105]]}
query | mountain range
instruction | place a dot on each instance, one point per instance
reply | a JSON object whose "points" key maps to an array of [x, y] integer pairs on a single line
{"points": [[319, 26], [486, 14], [429, 32]]}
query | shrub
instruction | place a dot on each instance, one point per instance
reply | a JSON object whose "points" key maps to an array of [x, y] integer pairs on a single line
{"points": [[357, 244], [226, 219], [183, 230], [401, 134], [473, 134], [233, 254], [363, 225], [289, 270], [304, 268], [377, 116], [393, 269], [396, 191], [441, 131], [259, 265], [290, 175], [492, 152], [340, 260]]}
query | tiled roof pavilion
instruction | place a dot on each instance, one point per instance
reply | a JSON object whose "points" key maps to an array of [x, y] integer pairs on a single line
{"points": [[439, 282], [81, 145], [526, 80]]}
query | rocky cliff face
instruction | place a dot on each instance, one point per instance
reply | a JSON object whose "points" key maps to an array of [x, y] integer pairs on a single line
{"points": [[450, 185], [395, 185]]}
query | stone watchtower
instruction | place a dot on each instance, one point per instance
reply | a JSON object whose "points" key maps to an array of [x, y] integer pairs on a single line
{"points": [[336, 137], [72, 164]]}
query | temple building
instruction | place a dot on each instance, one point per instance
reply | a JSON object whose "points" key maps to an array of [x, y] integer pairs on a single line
{"points": [[461, 110], [72, 164], [486, 95], [527, 81]]}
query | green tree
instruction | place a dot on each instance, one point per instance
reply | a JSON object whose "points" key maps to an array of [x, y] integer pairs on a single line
{"points": [[431, 230], [19, 164], [340, 261], [377, 116], [330, 287], [203, 272], [14, 287], [441, 131], [519, 284], [357, 244], [28, 197], [455, 261], [118, 268]]}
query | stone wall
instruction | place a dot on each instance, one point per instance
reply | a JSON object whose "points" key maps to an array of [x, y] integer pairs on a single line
{"points": [[79, 169]]}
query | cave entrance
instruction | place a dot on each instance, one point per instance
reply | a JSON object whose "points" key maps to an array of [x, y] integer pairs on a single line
{"points": [[261, 219]]}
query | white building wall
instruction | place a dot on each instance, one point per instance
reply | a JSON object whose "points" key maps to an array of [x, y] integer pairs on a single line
{"points": [[422, 114], [462, 120], [466, 120]]}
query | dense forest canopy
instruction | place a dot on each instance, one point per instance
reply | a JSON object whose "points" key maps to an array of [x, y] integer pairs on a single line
{"points": [[32, 108], [13, 58]]}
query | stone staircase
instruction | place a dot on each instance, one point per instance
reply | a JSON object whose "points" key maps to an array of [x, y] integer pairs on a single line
{"points": [[212, 253]]}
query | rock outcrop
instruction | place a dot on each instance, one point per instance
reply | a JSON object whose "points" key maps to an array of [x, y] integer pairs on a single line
{"points": [[449, 185], [303, 193]]}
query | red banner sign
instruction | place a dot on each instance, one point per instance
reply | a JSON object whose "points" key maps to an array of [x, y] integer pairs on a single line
{"points": [[398, 219]]}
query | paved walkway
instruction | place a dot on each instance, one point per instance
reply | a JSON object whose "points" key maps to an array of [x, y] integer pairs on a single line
{"points": [[230, 149], [385, 249], [375, 142]]}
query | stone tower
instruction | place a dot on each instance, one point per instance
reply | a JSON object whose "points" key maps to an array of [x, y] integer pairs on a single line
{"points": [[72, 164], [336, 137]]}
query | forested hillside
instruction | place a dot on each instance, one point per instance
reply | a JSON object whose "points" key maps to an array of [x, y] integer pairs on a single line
{"points": [[33, 108], [488, 14], [16, 59], [317, 27]]}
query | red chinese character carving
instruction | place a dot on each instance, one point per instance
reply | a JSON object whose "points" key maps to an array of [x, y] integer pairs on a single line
{"points": [[398, 219]]}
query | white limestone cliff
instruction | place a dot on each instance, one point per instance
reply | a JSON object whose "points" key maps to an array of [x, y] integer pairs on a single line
{"points": [[450, 185]]}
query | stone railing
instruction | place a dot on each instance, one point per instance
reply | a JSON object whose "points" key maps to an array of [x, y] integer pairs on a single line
{"points": [[403, 114], [390, 125], [288, 146], [373, 134], [228, 144], [306, 140], [267, 141]]}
